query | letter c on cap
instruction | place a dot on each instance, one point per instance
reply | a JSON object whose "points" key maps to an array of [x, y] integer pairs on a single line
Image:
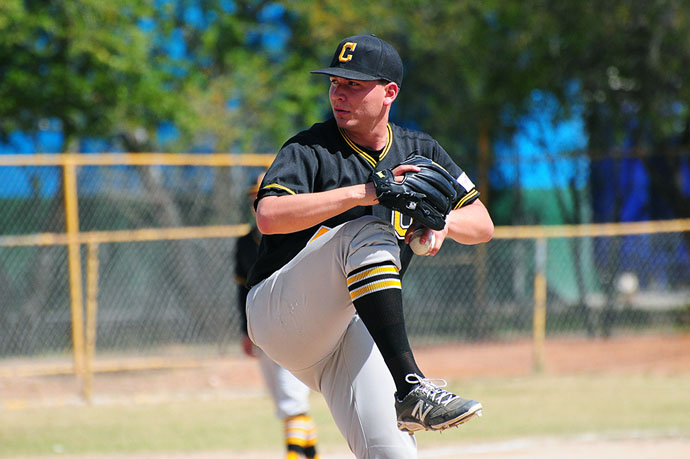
{"points": [[346, 52]]}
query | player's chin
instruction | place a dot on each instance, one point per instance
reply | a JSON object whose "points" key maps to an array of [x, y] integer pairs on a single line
{"points": [[343, 119]]}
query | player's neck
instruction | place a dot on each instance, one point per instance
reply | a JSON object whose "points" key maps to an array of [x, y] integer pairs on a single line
{"points": [[374, 139]]}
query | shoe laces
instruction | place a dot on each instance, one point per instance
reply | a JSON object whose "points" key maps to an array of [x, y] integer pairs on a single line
{"points": [[432, 388]]}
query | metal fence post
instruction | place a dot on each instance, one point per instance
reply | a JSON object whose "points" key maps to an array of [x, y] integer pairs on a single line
{"points": [[91, 317], [74, 260], [539, 319]]}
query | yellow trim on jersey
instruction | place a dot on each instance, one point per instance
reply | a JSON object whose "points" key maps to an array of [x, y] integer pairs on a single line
{"points": [[371, 272], [370, 159], [375, 287], [387, 148], [466, 198], [319, 232], [280, 187], [357, 150]]}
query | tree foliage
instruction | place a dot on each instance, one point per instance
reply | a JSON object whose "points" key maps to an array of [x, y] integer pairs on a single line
{"points": [[472, 66], [107, 70], [240, 79], [85, 63]]}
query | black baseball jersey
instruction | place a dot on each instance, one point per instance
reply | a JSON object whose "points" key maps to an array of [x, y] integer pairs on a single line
{"points": [[324, 158], [246, 251]]}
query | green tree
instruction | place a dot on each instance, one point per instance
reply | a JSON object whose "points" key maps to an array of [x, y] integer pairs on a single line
{"points": [[247, 97], [471, 66], [85, 63], [630, 62], [102, 70]]}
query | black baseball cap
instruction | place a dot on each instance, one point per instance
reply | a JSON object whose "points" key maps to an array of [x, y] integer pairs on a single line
{"points": [[366, 58]]}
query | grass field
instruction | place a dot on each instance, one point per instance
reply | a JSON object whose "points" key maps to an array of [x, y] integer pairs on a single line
{"points": [[545, 406]]}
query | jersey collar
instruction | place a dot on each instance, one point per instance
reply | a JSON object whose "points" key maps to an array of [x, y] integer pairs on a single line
{"points": [[366, 155]]}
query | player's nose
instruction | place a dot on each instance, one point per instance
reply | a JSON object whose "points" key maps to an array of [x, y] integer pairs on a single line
{"points": [[337, 92]]}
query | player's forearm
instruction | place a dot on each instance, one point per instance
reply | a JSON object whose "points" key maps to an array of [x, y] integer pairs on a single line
{"points": [[470, 225], [291, 213]]}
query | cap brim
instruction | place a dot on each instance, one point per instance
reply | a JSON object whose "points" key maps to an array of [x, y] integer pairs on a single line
{"points": [[345, 73]]}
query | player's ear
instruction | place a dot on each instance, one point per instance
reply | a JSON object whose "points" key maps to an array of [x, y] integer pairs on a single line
{"points": [[391, 92]]}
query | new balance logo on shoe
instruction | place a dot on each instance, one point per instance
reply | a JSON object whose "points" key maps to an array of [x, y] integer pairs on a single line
{"points": [[429, 407], [420, 410]]}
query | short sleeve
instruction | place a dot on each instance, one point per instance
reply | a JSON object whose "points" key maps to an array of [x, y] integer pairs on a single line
{"points": [[292, 172], [470, 190]]}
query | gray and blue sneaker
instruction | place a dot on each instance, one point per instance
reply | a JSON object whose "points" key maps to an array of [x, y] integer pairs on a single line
{"points": [[429, 407]]}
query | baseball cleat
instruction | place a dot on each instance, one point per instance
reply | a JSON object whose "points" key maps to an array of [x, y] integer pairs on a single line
{"points": [[429, 407]]}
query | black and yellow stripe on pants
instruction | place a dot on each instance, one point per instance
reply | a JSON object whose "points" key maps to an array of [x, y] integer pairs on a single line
{"points": [[373, 278], [300, 437]]}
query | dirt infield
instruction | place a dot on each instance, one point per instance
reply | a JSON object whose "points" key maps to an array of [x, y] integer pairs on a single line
{"points": [[549, 448], [460, 361], [238, 374], [561, 356]]}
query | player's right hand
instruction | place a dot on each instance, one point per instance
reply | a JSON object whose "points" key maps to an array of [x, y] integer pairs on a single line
{"points": [[400, 170]]}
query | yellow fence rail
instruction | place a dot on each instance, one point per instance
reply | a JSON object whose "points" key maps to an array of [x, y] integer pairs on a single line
{"points": [[73, 238], [541, 233], [83, 317]]}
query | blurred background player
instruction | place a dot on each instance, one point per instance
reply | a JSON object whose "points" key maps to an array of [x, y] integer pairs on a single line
{"points": [[289, 394]]}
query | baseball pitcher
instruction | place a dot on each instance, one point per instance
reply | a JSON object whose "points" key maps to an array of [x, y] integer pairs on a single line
{"points": [[337, 209]]}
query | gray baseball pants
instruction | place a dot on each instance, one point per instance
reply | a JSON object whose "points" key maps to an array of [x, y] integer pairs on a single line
{"points": [[303, 318]]}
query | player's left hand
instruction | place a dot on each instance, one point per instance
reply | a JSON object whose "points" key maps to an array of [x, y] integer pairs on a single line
{"points": [[426, 193], [398, 173], [439, 236]]}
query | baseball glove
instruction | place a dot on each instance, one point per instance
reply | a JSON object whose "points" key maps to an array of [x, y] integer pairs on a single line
{"points": [[426, 196]]}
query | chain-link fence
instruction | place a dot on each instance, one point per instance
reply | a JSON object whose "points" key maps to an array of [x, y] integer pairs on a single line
{"points": [[155, 241], [595, 286], [155, 288]]}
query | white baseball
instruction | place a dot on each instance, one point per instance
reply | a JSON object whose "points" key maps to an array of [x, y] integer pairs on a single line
{"points": [[419, 248]]}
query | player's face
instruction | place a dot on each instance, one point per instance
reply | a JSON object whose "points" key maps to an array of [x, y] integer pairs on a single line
{"points": [[358, 104]]}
